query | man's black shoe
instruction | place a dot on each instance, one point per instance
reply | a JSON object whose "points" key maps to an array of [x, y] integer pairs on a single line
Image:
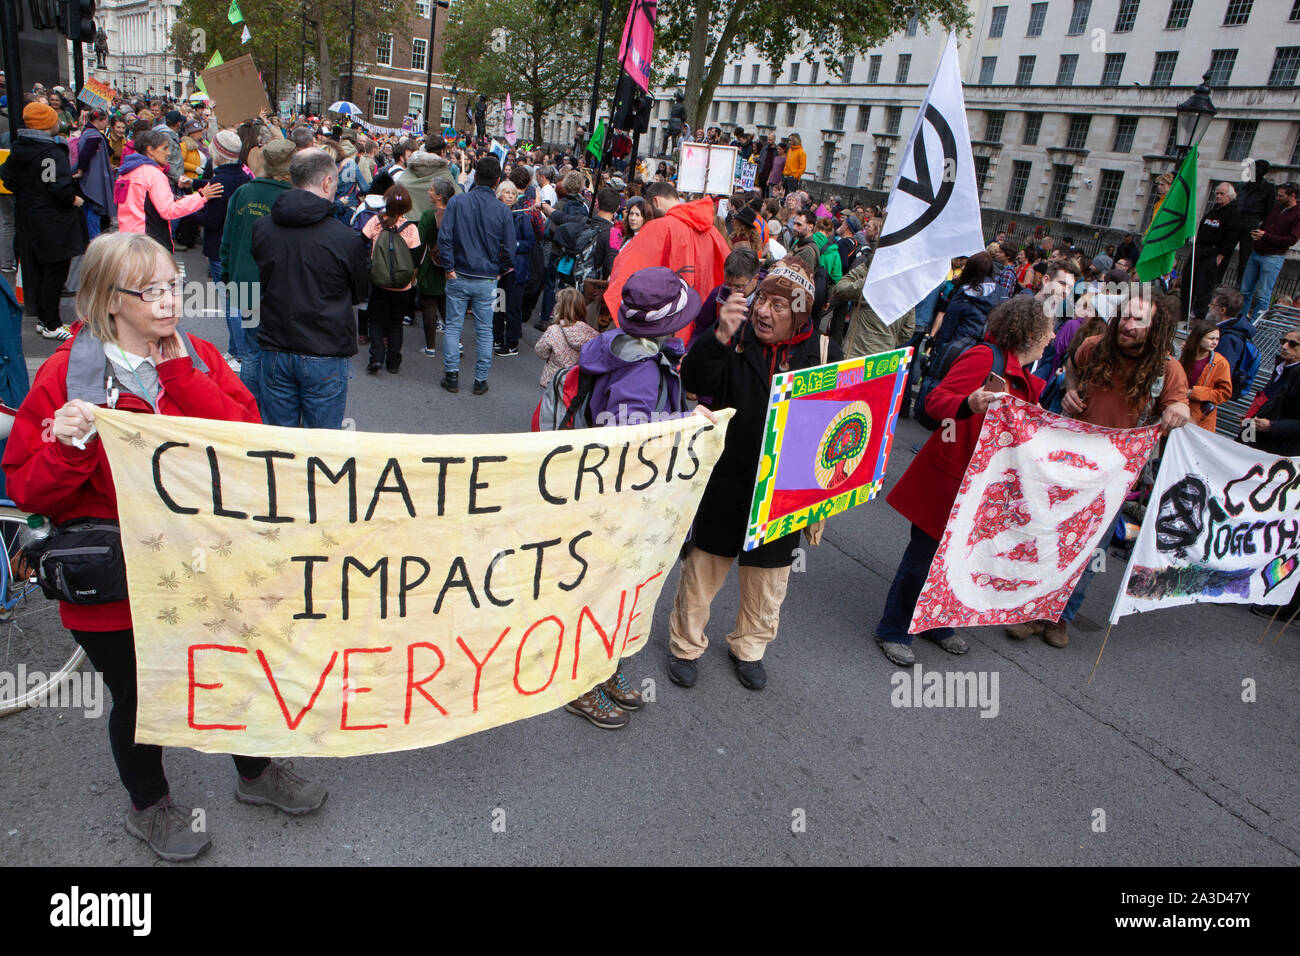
{"points": [[749, 673], [451, 381], [682, 672], [506, 350], [372, 368], [480, 387]]}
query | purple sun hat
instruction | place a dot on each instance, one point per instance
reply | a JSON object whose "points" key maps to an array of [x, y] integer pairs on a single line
{"points": [[657, 302]]}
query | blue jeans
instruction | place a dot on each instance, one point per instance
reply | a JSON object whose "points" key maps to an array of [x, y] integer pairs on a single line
{"points": [[1080, 591], [234, 321], [92, 218], [303, 390], [908, 581], [1257, 283], [466, 293]]}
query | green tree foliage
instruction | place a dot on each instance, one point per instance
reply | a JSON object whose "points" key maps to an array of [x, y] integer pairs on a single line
{"points": [[712, 33], [541, 53], [203, 27]]}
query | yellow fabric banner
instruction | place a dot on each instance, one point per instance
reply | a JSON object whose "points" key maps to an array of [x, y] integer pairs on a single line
{"points": [[332, 593]]}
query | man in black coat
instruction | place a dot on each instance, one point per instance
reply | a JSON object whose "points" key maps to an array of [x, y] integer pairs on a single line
{"points": [[733, 363], [1253, 203], [48, 219], [1215, 238], [1273, 422], [313, 269]]}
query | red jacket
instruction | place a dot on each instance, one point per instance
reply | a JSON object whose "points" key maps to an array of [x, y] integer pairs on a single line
{"points": [[927, 490], [684, 237], [54, 479]]}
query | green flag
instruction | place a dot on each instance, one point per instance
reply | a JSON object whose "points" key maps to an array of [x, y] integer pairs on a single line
{"points": [[215, 61], [234, 15], [1173, 225], [198, 84], [596, 145]]}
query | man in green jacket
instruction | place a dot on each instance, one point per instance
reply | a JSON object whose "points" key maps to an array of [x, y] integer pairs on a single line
{"points": [[249, 203], [867, 334]]}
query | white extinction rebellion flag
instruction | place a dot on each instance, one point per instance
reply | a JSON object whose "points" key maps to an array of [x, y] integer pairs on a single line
{"points": [[934, 208]]}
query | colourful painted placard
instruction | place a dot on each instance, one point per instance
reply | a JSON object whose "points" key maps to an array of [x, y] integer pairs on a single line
{"points": [[826, 442]]}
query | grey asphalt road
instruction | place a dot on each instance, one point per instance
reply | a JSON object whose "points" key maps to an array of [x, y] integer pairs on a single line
{"points": [[818, 768]]}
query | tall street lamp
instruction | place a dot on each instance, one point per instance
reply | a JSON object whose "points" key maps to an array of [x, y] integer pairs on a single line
{"points": [[1194, 117], [428, 60]]}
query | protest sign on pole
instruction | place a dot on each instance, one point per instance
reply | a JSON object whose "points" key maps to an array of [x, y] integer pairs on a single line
{"points": [[317, 592], [826, 442], [1221, 527], [1040, 492], [707, 169]]}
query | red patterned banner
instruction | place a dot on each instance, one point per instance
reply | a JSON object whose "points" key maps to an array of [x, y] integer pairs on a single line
{"points": [[1040, 492]]}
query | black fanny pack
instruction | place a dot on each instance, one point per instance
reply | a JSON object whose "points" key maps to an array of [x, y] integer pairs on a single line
{"points": [[82, 563]]}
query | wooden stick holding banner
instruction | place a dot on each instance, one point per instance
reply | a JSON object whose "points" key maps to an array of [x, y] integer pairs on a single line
{"points": [[1269, 625], [1104, 639]]}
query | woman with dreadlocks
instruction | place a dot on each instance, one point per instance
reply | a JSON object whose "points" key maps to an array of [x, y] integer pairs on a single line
{"points": [[1122, 379]]}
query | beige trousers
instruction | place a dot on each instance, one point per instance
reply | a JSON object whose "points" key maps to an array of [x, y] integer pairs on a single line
{"points": [[762, 591]]}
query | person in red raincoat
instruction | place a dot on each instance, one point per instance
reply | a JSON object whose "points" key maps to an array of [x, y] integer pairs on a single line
{"points": [[1021, 328], [683, 237], [127, 353]]}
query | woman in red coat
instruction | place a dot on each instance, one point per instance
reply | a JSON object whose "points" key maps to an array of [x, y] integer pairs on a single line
{"points": [[1021, 328], [127, 353]]}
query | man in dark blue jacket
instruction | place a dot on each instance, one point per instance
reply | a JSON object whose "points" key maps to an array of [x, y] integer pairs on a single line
{"points": [[476, 244], [229, 172], [1235, 330]]}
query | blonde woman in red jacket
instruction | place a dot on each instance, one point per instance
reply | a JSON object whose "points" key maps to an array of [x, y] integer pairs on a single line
{"points": [[128, 353], [1208, 374]]}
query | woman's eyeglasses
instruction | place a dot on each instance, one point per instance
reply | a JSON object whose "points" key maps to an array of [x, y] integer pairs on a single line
{"points": [[156, 292]]}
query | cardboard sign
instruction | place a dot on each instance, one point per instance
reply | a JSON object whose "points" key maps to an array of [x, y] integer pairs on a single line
{"points": [[97, 95], [236, 90]]}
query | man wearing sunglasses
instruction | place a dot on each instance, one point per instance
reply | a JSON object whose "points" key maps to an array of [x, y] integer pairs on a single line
{"points": [[1272, 424]]}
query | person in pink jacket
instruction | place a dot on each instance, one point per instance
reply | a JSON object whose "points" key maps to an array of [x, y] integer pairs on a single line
{"points": [[144, 196]]}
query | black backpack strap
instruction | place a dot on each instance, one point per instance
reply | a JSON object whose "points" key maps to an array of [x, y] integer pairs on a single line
{"points": [[999, 360]]}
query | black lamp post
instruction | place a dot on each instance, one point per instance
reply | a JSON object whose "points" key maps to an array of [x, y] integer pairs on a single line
{"points": [[428, 60], [352, 42], [1194, 117]]}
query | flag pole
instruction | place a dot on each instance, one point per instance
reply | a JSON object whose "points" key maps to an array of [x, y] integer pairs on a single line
{"points": [[1269, 626], [1099, 653]]}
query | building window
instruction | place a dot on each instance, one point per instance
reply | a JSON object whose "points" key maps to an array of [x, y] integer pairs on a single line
{"points": [[1019, 183], [418, 48], [381, 101], [1112, 69], [816, 67], [774, 75], [384, 51], [1294, 18], [1128, 11], [1169, 140], [1295, 149], [1060, 190], [753, 75], [1286, 63], [847, 76], [735, 75], [987, 65], [893, 119], [1079, 17], [771, 114], [910, 30], [750, 109], [998, 23], [881, 169], [1163, 71], [734, 112], [1179, 10], [448, 115], [1108, 188], [1238, 12], [873, 71], [838, 113], [864, 118], [791, 113], [1033, 123], [1221, 64], [414, 104], [828, 162], [1025, 71], [904, 64], [1241, 137], [1065, 71], [981, 173], [1037, 15], [716, 107], [422, 9], [1077, 136], [794, 72], [1125, 130], [993, 123]]}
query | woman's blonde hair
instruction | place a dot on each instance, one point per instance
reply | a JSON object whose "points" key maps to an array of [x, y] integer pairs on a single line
{"points": [[116, 260]]}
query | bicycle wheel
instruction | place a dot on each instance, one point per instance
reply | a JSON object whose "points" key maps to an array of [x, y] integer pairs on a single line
{"points": [[36, 650]]}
